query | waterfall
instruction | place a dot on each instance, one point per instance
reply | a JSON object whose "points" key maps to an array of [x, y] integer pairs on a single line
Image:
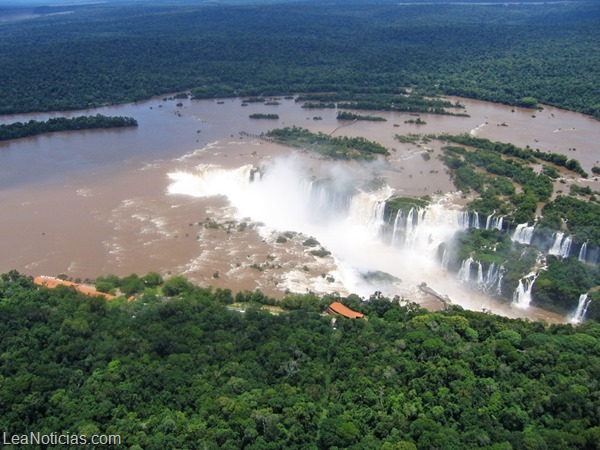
{"points": [[425, 229], [522, 294], [468, 220], [493, 280], [523, 234], [500, 279], [489, 282], [325, 197], [492, 275], [476, 220], [445, 259], [494, 223], [499, 223], [464, 220], [397, 230], [210, 180], [464, 274], [480, 274], [555, 249], [367, 208], [410, 227], [561, 245], [583, 252], [565, 247], [582, 307]]}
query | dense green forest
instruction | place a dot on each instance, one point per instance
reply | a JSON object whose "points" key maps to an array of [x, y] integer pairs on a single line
{"points": [[18, 130], [177, 368], [335, 147], [375, 101], [106, 53], [503, 176]]}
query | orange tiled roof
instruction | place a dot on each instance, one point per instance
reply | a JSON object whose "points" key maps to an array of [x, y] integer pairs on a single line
{"points": [[338, 308], [51, 283]]}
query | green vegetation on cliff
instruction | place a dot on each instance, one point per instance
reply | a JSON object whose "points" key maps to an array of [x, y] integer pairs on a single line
{"points": [[395, 204], [503, 175], [181, 370], [560, 284], [581, 217]]}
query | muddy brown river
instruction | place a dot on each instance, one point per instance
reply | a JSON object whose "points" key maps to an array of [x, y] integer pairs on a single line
{"points": [[98, 202]]}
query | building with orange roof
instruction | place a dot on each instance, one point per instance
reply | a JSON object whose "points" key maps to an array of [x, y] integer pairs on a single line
{"points": [[338, 309], [51, 283]]}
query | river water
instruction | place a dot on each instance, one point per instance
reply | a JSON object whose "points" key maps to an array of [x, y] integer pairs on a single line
{"points": [[97, 202]]}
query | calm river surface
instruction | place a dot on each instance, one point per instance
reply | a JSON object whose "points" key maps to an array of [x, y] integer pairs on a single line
{"points": [[95, 202]]}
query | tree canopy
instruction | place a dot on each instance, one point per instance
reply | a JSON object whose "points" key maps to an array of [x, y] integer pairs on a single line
{"points": [[109, 53], [182, 369]]}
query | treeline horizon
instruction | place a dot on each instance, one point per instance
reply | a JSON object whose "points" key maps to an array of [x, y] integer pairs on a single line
{"points": [[518, 55]]}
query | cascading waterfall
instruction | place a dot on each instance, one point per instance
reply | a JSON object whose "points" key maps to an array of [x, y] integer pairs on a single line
{"points": [[349, 223], [565, 247], [489, 282], [367, 209], [582, 307], [409, 230], [493, 280], [464, 220], [397, 227], [464, 274], [210, 180], [445, 259], [557, 239], [523, 234], [492, 275], [583, 252], [325, 197], [427, 228], [522, 294], [480, 281], [561, 245], [494, 223], [500, 279], [476, 220], [469, 219]]}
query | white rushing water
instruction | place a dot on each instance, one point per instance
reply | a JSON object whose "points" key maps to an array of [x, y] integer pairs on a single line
{"points": [[464, 274], [349, 222], [493, 222], [429, 227], [487, 280], [522, 294], [561, 245], [523, 234], [445, 259], [583, 252], [582, 307]]}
